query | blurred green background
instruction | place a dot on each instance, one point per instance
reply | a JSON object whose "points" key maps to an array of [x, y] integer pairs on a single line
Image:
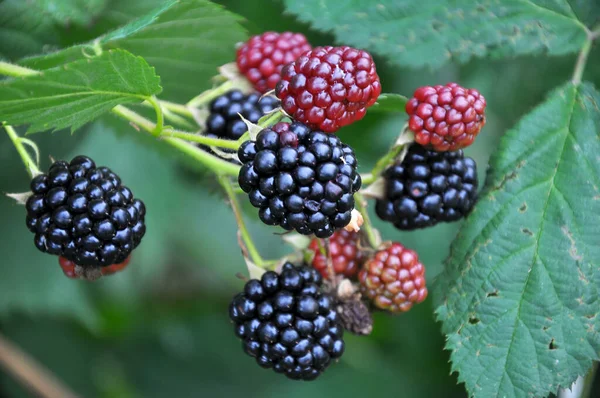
{"points": [[161, 328]]}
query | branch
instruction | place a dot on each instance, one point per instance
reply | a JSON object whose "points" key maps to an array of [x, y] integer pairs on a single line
{"points": [[31, 373]]}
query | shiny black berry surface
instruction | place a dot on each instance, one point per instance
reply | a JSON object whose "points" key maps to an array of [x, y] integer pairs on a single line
{"points": [[287, 324], [83, 213], [300, 179], [224, 120], [428, 187]]}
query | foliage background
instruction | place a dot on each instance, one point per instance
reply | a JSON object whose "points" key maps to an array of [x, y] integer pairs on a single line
{"points": [[161, 328]]}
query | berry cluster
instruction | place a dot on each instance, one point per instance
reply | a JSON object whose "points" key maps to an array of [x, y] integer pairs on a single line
{"points": [[428, 187], [346, 257], [329, 87], [224, 120], [261, 58], [394, 279], [300, 179], [82, 213], [446, 118], [287, 323]]}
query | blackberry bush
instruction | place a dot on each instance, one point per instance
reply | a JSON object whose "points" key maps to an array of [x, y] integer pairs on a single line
{"points": [[287, 323], [300, 179], [428, 187], [224, 120], [84, 214]]}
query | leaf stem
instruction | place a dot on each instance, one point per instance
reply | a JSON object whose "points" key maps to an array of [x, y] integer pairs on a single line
{"points": [[250, 246], [160, 123], [216, 164], [30, 164], [32, 374], [209, 95], [16, 70], [581, 62], [360, 205]]}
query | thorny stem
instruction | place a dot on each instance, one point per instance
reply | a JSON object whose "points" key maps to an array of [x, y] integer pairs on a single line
{"points": [[202, 139], [250, 246], [359, 204], [32, 374], [218, 165], [207, 96], [583, 56], [30, 164]]}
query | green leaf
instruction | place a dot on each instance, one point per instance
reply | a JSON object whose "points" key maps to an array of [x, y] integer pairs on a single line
{"points": [[78, 92], [389, 103], [24, 30], [519, 298], [183, 39], [65, 12], [434, 32]]}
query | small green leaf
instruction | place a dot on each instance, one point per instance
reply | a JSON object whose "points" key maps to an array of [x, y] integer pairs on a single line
{"points": [[78, 92], [519, 298], [434, 32], [186, 40], [389, 103]]}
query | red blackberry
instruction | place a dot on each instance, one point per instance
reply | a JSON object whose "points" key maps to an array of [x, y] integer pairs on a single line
{"points": [[394, 279], [446, 118], [300, 179], [224, 120], [82, 213], [287, 323], [346, 257], [68, 267], [261, 58], [329, 87], [428, 187]]}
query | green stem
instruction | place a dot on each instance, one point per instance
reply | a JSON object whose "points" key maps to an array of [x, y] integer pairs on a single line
{"points": [[16, 70], [202, 139], [581, 62], [160, 123], [29, 163], [218, 165], [248, 242], [179, 120], [209, 95], [367, 227]]}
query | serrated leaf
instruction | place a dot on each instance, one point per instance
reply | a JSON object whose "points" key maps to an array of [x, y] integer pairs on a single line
{"points": [[184, 39], [78, 92], [519, 298], [434, 32]]}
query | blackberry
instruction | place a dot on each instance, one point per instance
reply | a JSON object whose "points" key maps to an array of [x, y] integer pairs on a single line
{"points": [[287, 323], [300, 179], [224, 121], [329, 87], [428, 187], [446, 118], [82, 213], [394, 279], [261, 58], [346, 256]]}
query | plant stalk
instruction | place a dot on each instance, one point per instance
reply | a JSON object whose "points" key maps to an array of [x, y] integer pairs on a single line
{"points": [[16, 70], [30, 164], [235, 205], [367, 227]]}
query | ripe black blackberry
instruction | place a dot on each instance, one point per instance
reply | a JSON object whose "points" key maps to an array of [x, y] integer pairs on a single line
{"points": [[82, 213], [224, 121], [287, 323], [300, 179], [428, 187]]}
